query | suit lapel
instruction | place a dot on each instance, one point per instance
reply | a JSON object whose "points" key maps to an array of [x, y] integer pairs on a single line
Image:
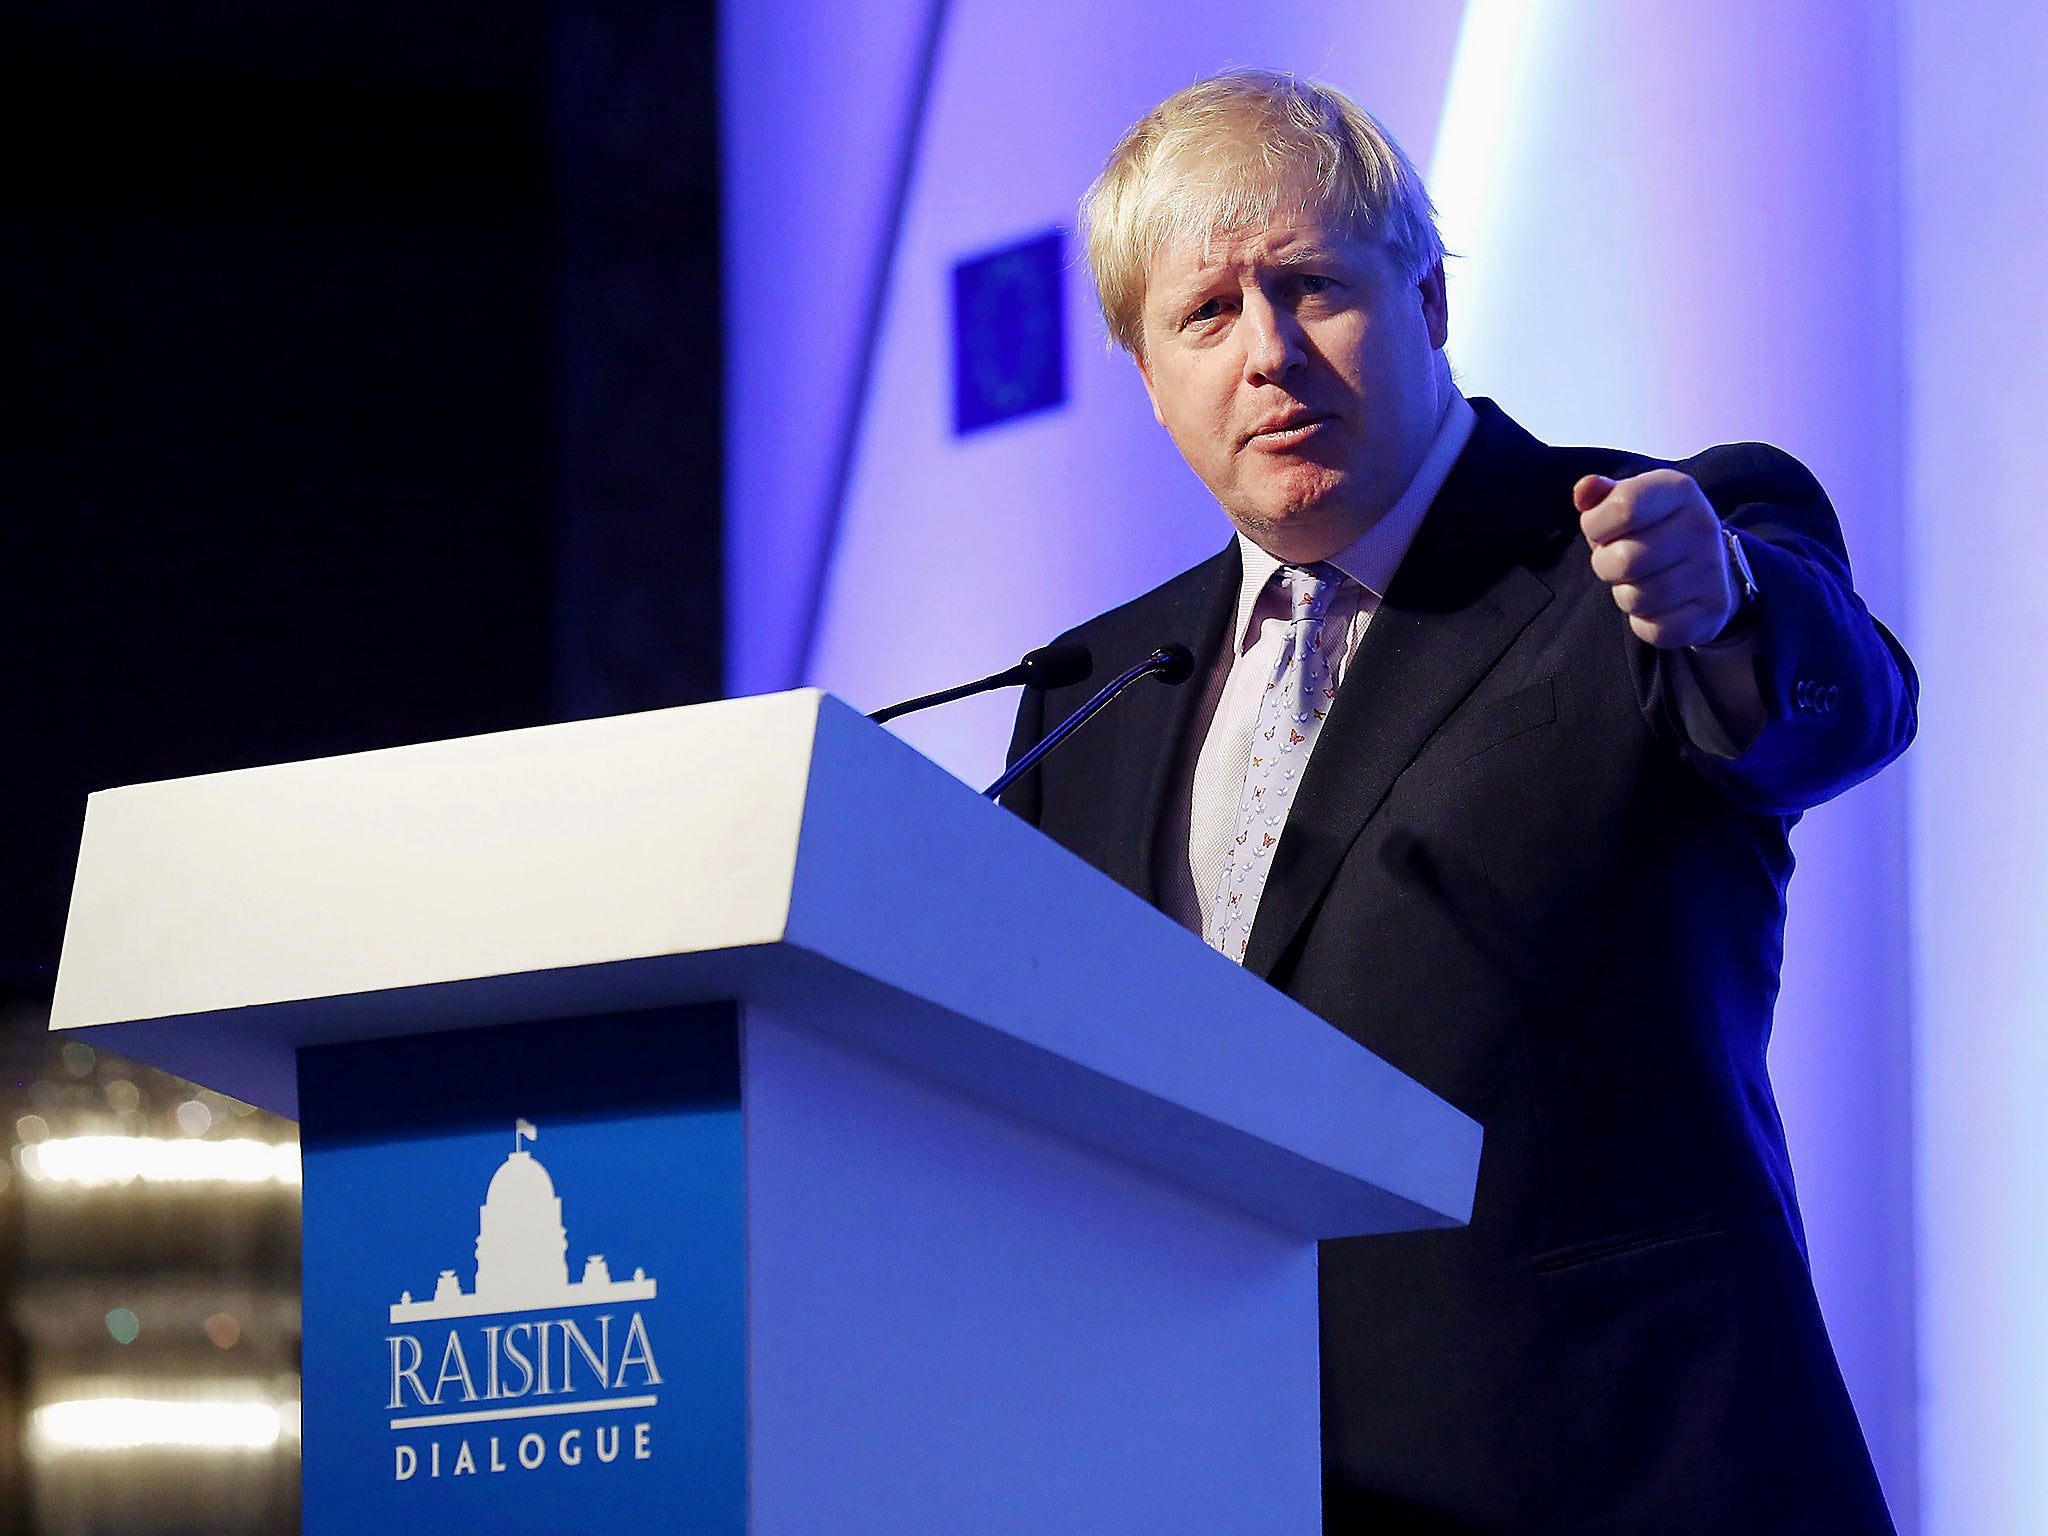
{"points": [[1149, 743], [1461, 597]]}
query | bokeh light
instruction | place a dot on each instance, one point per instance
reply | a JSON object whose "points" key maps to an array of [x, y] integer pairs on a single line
{"points": [[204, 1417], [99, 1161]]}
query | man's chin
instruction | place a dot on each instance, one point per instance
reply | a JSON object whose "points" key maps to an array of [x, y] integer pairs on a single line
{"points": [[1297, 534], [1300, 505]]}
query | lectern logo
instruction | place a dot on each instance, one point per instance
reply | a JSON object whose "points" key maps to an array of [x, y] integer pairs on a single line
{"points": [[448, 1374]]}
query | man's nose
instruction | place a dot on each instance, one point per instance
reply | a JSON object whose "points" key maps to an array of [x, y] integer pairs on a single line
{"points": [[1273, 342]]}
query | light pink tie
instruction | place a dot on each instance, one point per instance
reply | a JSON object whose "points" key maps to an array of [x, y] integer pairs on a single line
{"points": [[1291, 714]]}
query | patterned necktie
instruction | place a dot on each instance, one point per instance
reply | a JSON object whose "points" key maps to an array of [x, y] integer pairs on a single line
{"points": [[1291, 713]]}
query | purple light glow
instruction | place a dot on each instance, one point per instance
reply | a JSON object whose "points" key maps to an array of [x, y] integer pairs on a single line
{"points": [[1680, 228], [1680, 224]]}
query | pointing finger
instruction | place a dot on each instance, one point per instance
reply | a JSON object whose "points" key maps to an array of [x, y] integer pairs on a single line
{"points": [[1627, 510], [1639, 502], [1590, 492]]}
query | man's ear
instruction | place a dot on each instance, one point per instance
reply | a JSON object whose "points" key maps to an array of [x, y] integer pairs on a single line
{"points": [[1436, 313], [1145, 373]]}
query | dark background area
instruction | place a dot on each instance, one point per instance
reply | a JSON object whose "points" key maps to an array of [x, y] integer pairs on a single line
{"points": [[361, 386]]}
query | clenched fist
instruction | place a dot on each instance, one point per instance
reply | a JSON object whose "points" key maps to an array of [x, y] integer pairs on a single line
{"points": [[1657, 543]]}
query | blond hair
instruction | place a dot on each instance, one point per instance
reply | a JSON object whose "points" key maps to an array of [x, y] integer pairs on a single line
{"points": [[1221, 156]]}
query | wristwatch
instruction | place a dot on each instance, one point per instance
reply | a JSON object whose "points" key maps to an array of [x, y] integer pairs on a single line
{"points": [[1743, 620]]}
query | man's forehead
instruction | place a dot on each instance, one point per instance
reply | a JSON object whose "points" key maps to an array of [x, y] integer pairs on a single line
{"points": [[1289, 239]]}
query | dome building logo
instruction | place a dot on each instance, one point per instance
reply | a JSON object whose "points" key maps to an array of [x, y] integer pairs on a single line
{"points": [[522, 1253], [486, 1346]]}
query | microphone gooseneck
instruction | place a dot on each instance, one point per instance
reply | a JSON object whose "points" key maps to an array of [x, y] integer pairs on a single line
{"points": [[1173, 663], [1050, 666]]}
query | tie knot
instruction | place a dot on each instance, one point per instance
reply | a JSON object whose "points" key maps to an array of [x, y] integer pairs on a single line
{"points": [[1309, 589]]}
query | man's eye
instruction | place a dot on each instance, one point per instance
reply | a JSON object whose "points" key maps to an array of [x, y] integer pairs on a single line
{"points": [[1311, 282], [1207, 311]]}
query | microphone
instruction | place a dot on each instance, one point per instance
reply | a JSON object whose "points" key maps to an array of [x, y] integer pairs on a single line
{"points": [[1050, 666], [1173, 663]]}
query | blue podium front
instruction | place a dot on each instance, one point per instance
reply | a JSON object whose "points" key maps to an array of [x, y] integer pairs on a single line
{"points": [[526, 1277]]}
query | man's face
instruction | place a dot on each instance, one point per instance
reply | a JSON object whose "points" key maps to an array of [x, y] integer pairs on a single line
{"points": [[1297, 369]]}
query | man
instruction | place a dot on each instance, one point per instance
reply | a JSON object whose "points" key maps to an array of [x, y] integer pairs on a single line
{"points": [[1489, 759]]}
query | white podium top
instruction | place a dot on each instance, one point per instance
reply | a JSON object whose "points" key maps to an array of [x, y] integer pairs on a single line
{"points": [[779, 850]]}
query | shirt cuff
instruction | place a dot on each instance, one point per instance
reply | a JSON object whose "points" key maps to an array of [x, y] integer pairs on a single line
{"points": [[1703, 727]]}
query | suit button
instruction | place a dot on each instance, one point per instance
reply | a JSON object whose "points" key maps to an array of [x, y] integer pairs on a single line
{"points": [[1816, 697]]}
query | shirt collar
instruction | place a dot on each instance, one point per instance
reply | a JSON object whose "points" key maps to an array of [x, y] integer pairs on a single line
{"points": [[1374, 557]]}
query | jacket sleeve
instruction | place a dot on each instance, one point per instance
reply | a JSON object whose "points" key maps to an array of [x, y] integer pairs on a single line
{"points": [[1840, 695]]}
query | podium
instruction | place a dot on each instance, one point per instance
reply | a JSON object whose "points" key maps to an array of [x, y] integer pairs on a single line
{"points": [[722, 1119]]}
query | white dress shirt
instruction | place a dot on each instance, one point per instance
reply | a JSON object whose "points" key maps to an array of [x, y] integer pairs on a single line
{"points": [[1202, 815]]}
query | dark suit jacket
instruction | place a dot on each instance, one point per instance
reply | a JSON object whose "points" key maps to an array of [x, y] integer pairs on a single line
{"points": [[1510, 872]]}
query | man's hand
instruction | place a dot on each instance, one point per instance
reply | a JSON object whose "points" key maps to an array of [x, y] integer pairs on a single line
{"points": [[1657, 544]]}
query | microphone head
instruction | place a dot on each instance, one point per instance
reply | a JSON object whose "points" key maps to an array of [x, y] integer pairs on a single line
{"points": [[1180, 663], [1057, 666]]}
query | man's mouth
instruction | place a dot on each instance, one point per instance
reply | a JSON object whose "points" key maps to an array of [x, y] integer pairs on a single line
{"points": [[1288, 431]]}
